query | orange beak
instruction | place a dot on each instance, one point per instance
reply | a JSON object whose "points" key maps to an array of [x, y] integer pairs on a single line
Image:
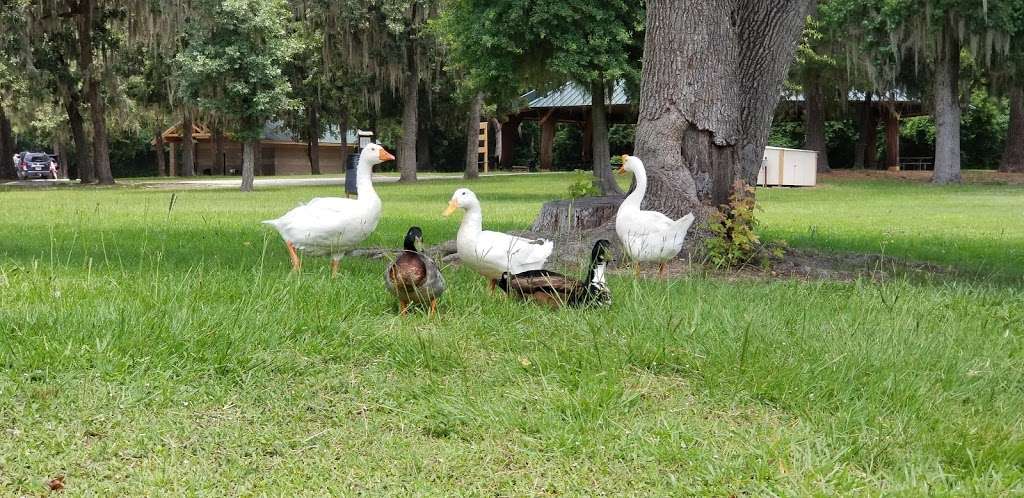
{"points": [[385, 155], [622, 169], [452, 206]]}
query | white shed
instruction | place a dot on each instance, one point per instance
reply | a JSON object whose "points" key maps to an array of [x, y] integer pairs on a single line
{"points": [[788, 167]]}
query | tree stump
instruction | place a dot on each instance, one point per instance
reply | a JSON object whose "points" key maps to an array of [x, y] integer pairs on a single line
{"points": [[560, 217]]}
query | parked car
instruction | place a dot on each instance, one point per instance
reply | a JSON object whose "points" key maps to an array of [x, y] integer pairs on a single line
{"points": [[35, 165]]}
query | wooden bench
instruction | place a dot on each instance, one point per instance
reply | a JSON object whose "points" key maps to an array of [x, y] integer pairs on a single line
{"points": [[917, 163]]}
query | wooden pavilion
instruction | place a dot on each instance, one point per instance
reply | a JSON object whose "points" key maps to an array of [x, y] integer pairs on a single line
{"points": [[571, 104], [281, 152]]}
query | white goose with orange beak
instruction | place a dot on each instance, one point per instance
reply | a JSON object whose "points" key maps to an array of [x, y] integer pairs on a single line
{"points": [[647, 236], [333, 226]]}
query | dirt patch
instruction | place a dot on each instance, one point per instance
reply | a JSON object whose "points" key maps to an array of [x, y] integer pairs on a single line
{"points": [[979, 177], [572, 253]]}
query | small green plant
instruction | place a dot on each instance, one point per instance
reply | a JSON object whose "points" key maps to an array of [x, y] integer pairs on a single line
{"points": [[733, 242], [582, 185]]}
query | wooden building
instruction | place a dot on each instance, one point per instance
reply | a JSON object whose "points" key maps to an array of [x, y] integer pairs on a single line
{"points": [[568, 104], [571, 104], [280, 151]]}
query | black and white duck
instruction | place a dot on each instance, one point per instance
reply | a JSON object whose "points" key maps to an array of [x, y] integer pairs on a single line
{"points": [[556, 290]]}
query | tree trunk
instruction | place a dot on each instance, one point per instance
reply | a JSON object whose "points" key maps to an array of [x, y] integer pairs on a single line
{"points": [[61, 149], [496, 152], [711, 79], [188, 145], [814, 121], [864, 150], [313, 147], [547, 141], [172, 159], [72, 104], [248, 164], [600, 164], [410, 113], [187, 166], [343, 134], [101, 146], [947, 107], [892, 139], [97, 107], [7, 146], [1013, 154], [473, 138], [566, 216], [158, 148]]}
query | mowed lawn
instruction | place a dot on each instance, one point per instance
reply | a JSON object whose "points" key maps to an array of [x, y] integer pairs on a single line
{"points": [[151, 348]]}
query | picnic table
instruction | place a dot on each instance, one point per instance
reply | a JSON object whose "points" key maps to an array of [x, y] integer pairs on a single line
{"points": [[917, 163]]}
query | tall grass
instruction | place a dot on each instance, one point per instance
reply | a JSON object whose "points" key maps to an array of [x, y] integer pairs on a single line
{"points": [[148, 350]]}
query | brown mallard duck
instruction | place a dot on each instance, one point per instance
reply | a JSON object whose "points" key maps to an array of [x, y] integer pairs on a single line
{"points": [[414, 277], [555, 289]]}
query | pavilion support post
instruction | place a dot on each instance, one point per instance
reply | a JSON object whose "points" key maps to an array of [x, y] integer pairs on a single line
{"points": [[547, 141], [173, 156], [587, 149], [507, 146], [892, 140]]}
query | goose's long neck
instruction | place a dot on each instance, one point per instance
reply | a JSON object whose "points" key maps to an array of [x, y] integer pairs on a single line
{"points": [[364, 182], [472, 222], [637, 197]]}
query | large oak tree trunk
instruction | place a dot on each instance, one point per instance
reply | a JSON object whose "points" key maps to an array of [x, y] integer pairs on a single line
{"points": [[101, 146], [158, 149], [473, 138], [600, 153], [61, 149], [97, 107], [1013, 154], [313, 147], [72, 105], [248, 164], [410, 114], [188, 145], [864, 150], [947, 107], [711, 78], [814, 121], [7, 146]]}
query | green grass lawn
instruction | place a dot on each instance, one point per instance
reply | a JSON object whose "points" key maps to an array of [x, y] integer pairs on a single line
{"points": [[147, 350]]}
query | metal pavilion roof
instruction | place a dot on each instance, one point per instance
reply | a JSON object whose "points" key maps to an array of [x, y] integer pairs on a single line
{"points": [[574, 95]]}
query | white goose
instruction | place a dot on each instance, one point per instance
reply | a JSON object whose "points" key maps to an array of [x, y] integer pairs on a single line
{"points": [[647, 236], [333, 225], [493, 253]]}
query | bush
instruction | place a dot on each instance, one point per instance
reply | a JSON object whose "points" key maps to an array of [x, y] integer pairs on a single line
{"points": [[733, 242]]}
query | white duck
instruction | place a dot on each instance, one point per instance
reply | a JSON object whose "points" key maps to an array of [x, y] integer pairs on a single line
{"points": [[493, 253], [647, 236], [333, 225]]}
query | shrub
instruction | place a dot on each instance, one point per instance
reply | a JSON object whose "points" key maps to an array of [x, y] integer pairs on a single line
{"points": [[733, 242], [582, 185]]}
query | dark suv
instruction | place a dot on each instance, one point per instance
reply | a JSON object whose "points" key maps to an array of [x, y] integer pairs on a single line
{"points": [[34, 165]]}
